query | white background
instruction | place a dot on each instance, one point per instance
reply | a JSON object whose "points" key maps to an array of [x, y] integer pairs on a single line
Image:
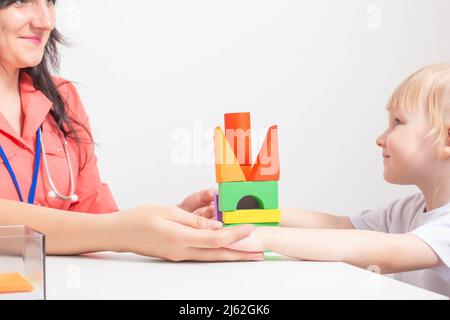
{"points": [[321, 70]]}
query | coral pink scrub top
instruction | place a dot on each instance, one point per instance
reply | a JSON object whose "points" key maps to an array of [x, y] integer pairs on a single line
{"points": [[93, 195]]}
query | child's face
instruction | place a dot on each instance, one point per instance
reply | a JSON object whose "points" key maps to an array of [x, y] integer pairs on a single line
{"points": [[409, 155]]}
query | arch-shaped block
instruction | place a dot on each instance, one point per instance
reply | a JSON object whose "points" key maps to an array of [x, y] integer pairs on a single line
{"points": [[264, 192], [248, 203]]}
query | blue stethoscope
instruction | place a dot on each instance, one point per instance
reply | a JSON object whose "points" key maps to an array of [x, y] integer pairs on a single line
{"points": [[41, 150]]}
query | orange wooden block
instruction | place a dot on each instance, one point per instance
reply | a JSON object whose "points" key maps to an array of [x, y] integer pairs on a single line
{"points": [[267, 166], [227, 166], [247, 170], [14, 282], [228, 173]]}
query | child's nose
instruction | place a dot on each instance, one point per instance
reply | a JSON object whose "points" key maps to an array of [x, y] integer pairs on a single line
{"points": [[380, 141]]}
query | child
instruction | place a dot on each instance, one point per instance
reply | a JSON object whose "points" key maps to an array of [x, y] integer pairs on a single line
{"points": [[409, 237]]}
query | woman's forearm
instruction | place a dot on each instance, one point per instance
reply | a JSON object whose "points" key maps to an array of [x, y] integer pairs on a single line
{"points": [[66, 232], [298, 218]]}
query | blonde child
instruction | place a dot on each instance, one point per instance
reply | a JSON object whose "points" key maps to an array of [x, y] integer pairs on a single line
{"points": [[409, 237]]}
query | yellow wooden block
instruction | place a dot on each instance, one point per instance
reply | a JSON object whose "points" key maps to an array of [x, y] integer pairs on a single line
{"points": [[252, 216], [14, 282]]}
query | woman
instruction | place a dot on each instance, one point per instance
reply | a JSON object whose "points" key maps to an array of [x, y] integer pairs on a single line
{"points": [[38, 113]]}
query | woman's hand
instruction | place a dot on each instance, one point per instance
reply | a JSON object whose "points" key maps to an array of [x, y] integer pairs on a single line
{"points": [[200, 203], [174, 234]]}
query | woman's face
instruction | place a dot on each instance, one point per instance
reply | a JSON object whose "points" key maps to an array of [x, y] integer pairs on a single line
{"points": [[25, 27]]}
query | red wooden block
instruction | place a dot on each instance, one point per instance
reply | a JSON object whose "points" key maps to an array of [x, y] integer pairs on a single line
{"points": [[267, 166]]}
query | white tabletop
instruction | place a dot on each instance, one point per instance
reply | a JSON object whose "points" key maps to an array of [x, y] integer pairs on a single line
{"points": [[127, 276]]}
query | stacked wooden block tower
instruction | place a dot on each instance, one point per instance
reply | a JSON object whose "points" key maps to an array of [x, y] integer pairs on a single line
{"points": [[248, 193]]}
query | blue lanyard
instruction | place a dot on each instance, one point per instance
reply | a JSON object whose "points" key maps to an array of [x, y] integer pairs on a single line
{"points": [[37, 160]]}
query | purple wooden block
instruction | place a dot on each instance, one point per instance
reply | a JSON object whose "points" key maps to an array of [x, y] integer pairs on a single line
{"points": [[217, 213]]}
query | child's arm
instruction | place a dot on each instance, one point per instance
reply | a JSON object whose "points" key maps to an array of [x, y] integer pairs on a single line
{"points": [[390, 252], [298, 218]]}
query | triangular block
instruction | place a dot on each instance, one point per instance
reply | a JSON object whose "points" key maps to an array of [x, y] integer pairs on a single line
{"points": [[228, 168], [267, 166]]}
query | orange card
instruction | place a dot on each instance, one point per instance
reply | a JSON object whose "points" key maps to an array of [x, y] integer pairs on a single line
{"points": [[14, 282]]}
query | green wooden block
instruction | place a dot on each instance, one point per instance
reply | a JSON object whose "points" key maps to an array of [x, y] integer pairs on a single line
{"points": [[264, 192]]}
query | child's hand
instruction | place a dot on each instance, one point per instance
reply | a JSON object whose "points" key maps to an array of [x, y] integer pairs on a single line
{"points": [[251, 243]]}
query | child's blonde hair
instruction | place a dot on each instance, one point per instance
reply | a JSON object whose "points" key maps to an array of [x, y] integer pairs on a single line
{"points": [[430, 86]]}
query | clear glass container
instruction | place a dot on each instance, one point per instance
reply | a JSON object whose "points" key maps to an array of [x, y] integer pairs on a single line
{"points": [[22, 263]]}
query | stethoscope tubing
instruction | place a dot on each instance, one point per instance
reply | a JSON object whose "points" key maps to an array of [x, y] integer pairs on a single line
{"points": [[40, 150]]}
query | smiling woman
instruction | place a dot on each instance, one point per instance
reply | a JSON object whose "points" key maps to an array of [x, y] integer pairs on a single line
{"points": [[38, 109], [29, 40]]}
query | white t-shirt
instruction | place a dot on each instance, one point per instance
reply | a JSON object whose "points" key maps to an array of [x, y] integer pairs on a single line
{"points": [[407, 216]]}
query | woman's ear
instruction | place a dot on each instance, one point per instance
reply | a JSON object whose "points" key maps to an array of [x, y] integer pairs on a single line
{"points": [[444, 151]]}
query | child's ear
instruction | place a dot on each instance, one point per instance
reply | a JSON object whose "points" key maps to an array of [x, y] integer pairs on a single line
{"points": [[444, 151]]}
